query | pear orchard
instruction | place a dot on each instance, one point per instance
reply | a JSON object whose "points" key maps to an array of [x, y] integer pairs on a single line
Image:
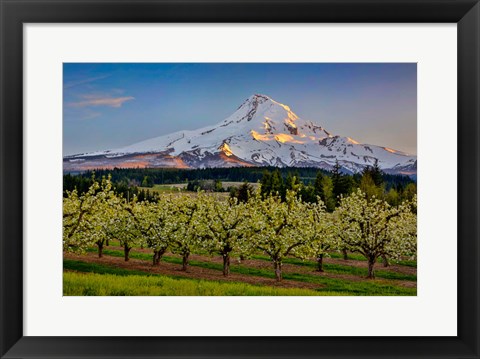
{"points": [[204, 222]]}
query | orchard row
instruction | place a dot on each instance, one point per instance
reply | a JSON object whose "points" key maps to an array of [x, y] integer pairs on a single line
{"points": [[188, 223]]}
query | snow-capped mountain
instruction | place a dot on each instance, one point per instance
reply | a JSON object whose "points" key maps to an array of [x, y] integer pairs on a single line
{"points": [[261, 132]]}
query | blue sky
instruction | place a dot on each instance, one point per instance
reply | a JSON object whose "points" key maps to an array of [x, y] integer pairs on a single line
{"points": [[112, 105]]}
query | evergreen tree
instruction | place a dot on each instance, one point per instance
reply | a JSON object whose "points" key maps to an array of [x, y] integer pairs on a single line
{"points": [[409, 192], [392, 197], [307, 193], [292, 182], [377, 174], [147, 181], [342, 184], [336, 181], [318, 186], [367, 185], [266, 183], [245, 191], [277, 184], [329, 199], [141, 195]]}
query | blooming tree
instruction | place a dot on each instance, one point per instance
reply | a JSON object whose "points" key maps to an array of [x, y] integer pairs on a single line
{"points": [[319, 232], [123, 226], [276, 228], [75, 211], [404, 228], [182, 224], [223, 228], [374, 228], [103, 219], [88, 219], [151, 221]]}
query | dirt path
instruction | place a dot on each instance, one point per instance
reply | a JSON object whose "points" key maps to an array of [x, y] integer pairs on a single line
{"points": [[192, 272], [212, 274], [258, 263], [378, 266]]}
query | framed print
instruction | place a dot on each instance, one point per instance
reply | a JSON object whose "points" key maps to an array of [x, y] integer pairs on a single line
{"points": [[239, 179]]}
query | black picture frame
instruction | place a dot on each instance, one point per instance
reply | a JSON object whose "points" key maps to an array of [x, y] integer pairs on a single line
{"points": [[14, 13]]}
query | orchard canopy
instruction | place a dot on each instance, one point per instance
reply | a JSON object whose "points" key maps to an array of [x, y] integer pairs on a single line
{"points": [[185, 223]]}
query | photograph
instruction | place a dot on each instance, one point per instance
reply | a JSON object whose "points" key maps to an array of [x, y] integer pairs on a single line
{"points": [[240, 179]]}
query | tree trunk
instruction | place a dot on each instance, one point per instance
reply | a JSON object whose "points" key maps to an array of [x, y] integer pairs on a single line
{"points": [[345, 254], [185, 262], [278, 270], [385, 260], [371, 272], [154, 259], [157, 256], [100, 249], [126, 251], [107, 243], [320, 263], [226, 264]]}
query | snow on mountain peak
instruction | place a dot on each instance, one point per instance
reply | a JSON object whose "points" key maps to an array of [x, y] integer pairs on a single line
{"points": [[260, 132], [260, 98], [259, 102]]}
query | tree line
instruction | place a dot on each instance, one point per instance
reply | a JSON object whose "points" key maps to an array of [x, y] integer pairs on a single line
{"points": [[309, 183], [330, 187], [146, 177], [82, 185]]}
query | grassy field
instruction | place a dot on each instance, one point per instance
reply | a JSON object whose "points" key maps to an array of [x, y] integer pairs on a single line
{"points": [[178, 187], [89, 275], [94, 284], [330, 268], [165, 188], [359, 257]]}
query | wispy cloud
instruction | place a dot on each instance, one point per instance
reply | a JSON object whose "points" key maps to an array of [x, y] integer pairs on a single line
{"points": [[91, 115], [90, 101], [84, 81]]}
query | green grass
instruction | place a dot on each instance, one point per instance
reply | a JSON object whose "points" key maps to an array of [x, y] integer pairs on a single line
{"points": [[95, 284], [331, 268], [328, 284], [347, 269], [162, 189], [363, 288], [359, 257], [334, 268], [99, 268], [336, 255]]}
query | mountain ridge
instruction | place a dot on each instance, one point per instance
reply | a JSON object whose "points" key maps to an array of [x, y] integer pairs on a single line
{"points": [[261, 132]]}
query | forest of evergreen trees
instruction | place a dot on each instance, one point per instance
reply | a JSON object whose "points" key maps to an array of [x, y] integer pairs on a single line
{"points": [[82, 183], [330, 186], [135, 176], [309, 183]]}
